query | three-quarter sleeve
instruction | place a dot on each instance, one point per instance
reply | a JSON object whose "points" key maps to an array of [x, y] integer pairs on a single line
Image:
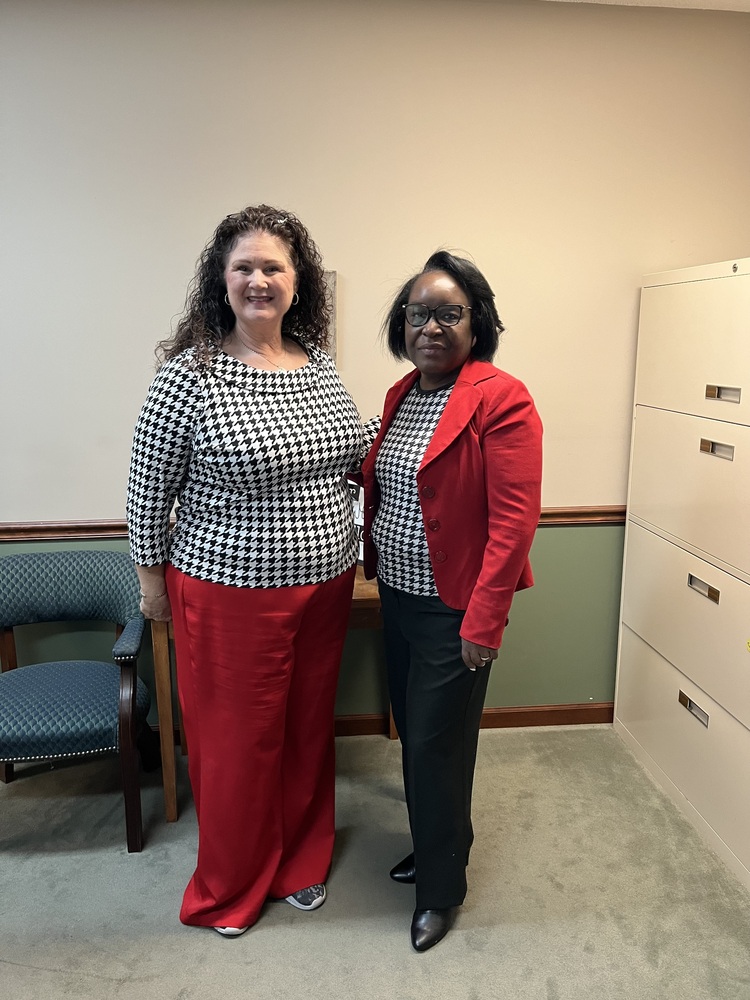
{"points": [[162, 445]]}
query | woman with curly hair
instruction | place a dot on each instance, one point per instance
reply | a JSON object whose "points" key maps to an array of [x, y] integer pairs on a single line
{"points": [[248, 428]]}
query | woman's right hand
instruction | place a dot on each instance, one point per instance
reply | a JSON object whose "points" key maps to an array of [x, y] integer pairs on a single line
{"points": [[158, 609], [154, 597]]}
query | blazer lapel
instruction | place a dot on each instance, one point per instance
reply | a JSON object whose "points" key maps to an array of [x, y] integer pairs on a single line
{"points": [[461, 406]]}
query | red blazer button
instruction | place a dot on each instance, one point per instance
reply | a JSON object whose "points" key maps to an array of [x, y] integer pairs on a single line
{"points": [[433, 524], [428, 491], [440, 556]]}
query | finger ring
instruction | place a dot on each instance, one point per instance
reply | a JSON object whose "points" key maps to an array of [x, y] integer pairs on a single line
{"points": [[485, 658]]}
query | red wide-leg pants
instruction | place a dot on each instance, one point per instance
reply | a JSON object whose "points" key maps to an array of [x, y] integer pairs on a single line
{"points": [[257, 671]]}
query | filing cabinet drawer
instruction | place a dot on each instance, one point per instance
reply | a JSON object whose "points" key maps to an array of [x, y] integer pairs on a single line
{"points": [[693, 348], [691, 477], [693, 614], [710, 764]]}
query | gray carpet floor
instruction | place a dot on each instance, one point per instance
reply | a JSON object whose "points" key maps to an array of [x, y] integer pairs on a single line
{"points": [[585, 882]]}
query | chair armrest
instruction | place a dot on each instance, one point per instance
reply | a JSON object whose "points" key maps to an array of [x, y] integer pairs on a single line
{"points": [[128, 645]]}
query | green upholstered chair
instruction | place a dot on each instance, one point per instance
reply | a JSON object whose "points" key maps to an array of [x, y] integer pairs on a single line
{"points": [[75, 708]]}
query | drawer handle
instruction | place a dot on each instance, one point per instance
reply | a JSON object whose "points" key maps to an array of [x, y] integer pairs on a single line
{"points": [[694, 709], [717, 449], [704, 589], [726, 393]]}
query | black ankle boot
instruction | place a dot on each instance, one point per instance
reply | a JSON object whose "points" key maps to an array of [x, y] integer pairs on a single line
{"points": [[405, 871], [430, 926]]}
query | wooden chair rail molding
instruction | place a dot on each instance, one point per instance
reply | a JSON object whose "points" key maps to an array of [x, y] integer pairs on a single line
{"points": [[51, 531]]}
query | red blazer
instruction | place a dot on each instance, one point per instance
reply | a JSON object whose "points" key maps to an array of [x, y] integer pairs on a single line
{"points": [[480, 493]]}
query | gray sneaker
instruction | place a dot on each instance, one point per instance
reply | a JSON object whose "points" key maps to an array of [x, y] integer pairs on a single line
{"points": [[308, 899]]}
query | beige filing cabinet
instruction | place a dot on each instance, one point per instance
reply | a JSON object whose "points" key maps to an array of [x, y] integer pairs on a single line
{"points": [[682, 700]]}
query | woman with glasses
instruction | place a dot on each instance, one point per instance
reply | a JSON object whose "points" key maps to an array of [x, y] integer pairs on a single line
{"points": [[452, 493]]}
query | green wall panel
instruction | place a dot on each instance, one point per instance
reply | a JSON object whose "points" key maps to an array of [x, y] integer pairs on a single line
{"points": [[561, 644], [363, 689]]}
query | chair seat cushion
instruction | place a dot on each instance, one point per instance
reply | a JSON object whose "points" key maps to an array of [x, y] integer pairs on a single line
{"points": [[62, 709]]}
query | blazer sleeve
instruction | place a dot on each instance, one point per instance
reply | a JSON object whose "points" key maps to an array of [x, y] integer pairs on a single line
{"points": [[512, 450]]}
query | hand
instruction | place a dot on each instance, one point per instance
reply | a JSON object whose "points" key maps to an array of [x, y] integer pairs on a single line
{"points": [[154, 598], [475, 655], [157, 608]]}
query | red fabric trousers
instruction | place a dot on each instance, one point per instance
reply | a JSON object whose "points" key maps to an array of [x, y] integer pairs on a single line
{"points": [[257, 671]]}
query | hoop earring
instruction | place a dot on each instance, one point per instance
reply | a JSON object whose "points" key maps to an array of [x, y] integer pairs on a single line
{"points": [[295, 299], [226, 297]]}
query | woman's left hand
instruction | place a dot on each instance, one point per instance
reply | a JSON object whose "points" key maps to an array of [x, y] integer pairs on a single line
{"points": [[476, 655]]}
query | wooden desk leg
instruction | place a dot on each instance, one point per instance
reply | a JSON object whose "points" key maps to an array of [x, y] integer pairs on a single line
{"points": [[163, 680], [392, 731]]}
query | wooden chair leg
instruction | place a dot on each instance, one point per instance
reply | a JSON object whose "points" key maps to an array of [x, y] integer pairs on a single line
{"points": [[129, 760], [131, 789], [6, 772]]}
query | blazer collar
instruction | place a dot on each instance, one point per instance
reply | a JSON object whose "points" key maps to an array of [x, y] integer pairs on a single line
{"points": [[461, 406]]}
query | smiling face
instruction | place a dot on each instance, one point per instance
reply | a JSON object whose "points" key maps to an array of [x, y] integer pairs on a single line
{"points": [[261, 281], [439, 352]]}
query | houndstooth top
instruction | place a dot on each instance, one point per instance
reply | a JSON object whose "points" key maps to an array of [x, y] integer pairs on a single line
{"points": [[256, 461], [398, 530]]}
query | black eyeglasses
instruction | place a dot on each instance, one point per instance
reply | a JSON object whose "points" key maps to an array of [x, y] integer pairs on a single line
{"points": [[418, 314]]}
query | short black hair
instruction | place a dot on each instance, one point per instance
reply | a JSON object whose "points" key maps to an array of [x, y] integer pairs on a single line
{"points": [[486, 325]]}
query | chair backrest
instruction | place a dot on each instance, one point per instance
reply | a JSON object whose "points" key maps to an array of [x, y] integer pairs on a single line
{"points": [[80, 585]]}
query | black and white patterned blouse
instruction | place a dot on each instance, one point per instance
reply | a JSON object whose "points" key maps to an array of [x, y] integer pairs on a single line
{"points": [[256, 461], [398, 529]]}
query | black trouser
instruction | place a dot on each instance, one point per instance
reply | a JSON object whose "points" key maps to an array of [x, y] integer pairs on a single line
{"points": [[437, 707]]}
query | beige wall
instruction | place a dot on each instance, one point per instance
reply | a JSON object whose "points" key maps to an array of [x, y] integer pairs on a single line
{"points": [[569, 148]]}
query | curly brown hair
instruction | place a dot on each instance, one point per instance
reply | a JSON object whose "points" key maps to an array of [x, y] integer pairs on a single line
{"points": [[207, 319]]}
